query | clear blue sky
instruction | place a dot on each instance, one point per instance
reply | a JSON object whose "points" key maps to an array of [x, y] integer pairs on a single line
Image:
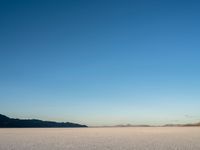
{"points": [[101, 62]]}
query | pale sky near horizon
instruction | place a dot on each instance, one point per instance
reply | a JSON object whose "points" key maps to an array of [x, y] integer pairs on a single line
{"points": [[100, 62]]}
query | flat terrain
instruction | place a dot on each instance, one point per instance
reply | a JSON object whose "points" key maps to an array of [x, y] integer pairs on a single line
{"points": [[149, 138]]}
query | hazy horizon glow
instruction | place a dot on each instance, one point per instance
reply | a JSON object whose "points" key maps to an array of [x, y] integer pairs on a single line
{"points": [[101, 62]]}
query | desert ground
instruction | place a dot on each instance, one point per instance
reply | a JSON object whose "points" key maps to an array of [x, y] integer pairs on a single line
{"points": [[130, 138]]}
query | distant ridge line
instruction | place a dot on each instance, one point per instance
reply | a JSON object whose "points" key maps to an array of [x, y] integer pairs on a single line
{"points": [[166, 125], [6, 122]]}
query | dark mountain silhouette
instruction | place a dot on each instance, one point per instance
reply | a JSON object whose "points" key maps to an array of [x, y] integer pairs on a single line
{"points": [[6, 122]]}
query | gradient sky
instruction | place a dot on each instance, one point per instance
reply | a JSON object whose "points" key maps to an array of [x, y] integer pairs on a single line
{"points": [[101, 62]]}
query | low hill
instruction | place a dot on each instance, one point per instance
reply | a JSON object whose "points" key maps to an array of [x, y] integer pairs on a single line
{"points": [[183, 125], [6, 122], [195, 124]]}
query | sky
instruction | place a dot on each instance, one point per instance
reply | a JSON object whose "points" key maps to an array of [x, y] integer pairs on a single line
{"points": [[100, 62]]}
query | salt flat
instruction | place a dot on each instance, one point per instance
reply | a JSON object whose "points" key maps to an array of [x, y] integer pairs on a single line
{"points": [[140, 138]]}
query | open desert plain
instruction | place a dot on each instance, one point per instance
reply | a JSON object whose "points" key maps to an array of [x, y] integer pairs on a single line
{"points": [[127, 138], [99, 74]]}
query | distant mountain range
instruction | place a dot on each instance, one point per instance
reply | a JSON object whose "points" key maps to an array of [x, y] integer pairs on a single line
{"points": [[166, 125], [130, 125], [6, 122], [182, 125]]}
